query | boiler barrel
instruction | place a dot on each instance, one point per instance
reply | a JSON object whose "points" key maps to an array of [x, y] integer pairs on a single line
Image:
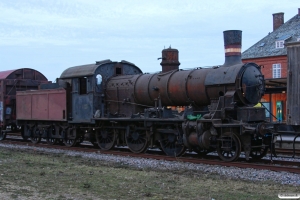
{"points": [[174, 88], [190, 87]]}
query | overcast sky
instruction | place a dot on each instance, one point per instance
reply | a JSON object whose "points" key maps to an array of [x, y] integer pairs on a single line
{"points": [[52, 35]]}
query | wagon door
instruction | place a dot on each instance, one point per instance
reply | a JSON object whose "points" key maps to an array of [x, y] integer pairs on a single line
{"points": [[82, 100]]}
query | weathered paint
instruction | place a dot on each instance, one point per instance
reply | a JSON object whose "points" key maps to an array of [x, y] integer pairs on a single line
{"points": [[42, 105], [12, 81], [169, 60], [293, 87]]}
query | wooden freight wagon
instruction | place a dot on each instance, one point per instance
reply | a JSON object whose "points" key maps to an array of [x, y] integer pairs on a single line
{"points": [[12, 81]]}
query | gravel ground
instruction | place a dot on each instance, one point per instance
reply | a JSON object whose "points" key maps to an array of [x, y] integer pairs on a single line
{"points": [[232, 172]]}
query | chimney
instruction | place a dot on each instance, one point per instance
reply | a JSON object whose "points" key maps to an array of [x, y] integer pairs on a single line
{"points": [[169, 60], [298, 12], [232, 44], [278, 20]]}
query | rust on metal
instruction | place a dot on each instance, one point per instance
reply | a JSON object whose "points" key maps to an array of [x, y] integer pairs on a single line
{"points": [[170, 60]]}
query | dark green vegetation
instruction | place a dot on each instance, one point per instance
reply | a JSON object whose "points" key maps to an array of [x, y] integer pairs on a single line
{"points": [[38, 175]]}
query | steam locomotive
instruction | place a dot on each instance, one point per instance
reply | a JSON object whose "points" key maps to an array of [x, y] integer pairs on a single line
{"points": [[114, 103]]}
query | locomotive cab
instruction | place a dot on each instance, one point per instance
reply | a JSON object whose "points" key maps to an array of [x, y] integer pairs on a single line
{"points": [[88, 98]]}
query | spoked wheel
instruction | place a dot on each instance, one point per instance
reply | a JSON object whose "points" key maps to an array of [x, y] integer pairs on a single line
{"points": [[71, 139], [51, 132], [259, 152], [35, 138], [2, 134], [136, 139], [170, 146], [70, 142], [229, 147], [51, 141], [106, 138]]}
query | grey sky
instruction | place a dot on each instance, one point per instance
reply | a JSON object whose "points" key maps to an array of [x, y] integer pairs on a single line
{"points": [[52, 35]]}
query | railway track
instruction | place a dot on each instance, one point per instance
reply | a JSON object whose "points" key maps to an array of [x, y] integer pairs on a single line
{"points": [[288, 152], [263, 164]]}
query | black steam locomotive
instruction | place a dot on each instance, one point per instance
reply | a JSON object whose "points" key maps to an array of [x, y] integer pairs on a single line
{"points": [[113, 103]]}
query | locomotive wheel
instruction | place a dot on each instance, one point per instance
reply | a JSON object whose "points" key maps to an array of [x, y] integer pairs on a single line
{"points": [[229, 147], [137, 140], [259, 152], [51, 141], [170, 146], [70, 142], [35, 139], [106, 139], [50, 132], [2, 134]]}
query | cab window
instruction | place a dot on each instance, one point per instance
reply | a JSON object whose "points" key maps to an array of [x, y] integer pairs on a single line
{"points": [[98, 82]]}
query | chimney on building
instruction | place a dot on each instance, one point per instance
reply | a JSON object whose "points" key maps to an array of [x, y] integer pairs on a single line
{"points": [[278, 20], [298, 12], [169, 59], [232, 45]]}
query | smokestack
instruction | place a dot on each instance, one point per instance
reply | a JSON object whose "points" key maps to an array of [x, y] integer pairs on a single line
{"points": [[278, 20], [169, 60], [298, 12], [232, 44]]}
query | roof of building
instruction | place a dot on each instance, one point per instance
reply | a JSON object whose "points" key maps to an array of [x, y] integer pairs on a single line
{"points": [[266, 47]]}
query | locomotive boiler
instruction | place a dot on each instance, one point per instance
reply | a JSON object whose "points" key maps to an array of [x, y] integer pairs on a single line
{"points": [[114, 103]]}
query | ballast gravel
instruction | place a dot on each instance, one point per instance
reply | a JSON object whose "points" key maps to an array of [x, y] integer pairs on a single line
{"points": [[141, 163]]}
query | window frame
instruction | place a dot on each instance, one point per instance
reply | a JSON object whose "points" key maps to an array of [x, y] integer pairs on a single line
{"points": [[279, 44], [276, 70]]}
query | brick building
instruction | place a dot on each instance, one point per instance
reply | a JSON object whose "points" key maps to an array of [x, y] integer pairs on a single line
{"points": [[271, 53]]}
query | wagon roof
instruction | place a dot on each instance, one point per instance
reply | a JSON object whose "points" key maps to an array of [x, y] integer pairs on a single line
{"points": [[21, 71], [5, 74]]}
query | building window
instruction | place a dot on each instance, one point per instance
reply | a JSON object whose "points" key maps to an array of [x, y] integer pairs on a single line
{"points": [[280, 44], [277, 70], [298, 39]]}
